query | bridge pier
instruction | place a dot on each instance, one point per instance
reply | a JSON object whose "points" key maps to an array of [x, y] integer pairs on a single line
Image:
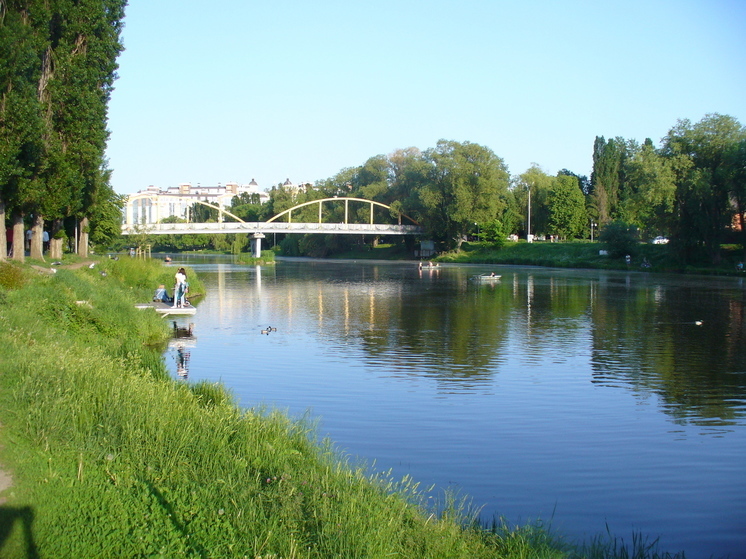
{"points": [[256, 245]]}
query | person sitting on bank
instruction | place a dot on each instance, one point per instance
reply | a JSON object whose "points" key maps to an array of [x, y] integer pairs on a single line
{"points": [[161, 295]]}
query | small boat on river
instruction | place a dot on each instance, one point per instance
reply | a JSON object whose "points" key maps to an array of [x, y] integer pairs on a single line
{"points": [[487, 277]]}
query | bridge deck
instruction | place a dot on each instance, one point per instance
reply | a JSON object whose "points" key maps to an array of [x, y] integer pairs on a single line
{"points": [[272, 227]]}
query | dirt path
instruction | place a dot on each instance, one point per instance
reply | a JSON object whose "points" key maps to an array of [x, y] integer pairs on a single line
{"points": [[5, 481], [53, 269]]}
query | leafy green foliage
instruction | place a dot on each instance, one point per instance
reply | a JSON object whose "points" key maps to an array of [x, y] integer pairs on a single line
{"points": [[566, 207], [650, 195], [704, 172], [620, 238], [607, 179], [57, 68], [467, 183], [495, 232], [537, 184]]}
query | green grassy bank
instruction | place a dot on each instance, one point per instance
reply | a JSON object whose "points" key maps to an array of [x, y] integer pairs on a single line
{"points": [[112, 458], [581, 254]]}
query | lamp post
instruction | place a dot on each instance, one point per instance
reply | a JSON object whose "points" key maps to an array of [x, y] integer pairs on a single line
{"points": [[592, 226], [529, 237], [477, 225]]}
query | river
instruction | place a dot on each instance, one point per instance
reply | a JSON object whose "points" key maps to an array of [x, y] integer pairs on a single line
{"points": [[580, 399]]}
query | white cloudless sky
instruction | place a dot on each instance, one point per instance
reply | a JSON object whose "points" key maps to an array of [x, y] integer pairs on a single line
{"points": [[234, 90]]}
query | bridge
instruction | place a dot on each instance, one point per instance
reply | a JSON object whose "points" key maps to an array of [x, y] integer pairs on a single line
{"points": [[272, 225]]}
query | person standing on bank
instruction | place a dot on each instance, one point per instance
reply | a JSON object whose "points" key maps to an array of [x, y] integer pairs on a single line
{"points": [[180, 289]]}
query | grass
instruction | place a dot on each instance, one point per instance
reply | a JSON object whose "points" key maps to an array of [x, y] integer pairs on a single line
{"points": [[583, 254], [267, 257], [112, 458]]}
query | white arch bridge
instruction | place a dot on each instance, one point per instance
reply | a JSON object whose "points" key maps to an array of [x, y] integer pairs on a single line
{"points": [[272, 225]]}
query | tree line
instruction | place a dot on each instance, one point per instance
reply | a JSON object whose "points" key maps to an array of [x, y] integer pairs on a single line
{"points": [[692, 189], [57, 68]]}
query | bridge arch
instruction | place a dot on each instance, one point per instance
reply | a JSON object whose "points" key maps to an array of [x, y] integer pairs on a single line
{"points": [[347, 200], [221, 210]]}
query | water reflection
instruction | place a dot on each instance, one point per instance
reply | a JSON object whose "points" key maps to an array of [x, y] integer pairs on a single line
{"points": [[179, 345], [588, 392], [682, 343], [665, 337]]}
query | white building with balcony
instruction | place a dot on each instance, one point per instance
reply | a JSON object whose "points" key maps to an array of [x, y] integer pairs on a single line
{"points": [[154, 204]]}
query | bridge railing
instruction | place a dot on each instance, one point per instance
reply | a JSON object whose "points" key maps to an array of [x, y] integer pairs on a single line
{"points": [[271, 227]]}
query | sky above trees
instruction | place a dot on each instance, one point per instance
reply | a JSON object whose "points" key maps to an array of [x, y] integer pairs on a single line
{"points": [[300, 89]]}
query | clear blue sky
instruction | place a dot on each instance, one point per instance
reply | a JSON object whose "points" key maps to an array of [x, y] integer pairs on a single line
{"points": [[231, 90]]}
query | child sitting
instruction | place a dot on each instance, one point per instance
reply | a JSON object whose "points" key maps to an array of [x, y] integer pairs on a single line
{"points": [[161, 295]]}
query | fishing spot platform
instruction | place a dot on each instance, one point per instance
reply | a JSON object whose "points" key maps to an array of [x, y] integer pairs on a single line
{"points": [[164, 309]]}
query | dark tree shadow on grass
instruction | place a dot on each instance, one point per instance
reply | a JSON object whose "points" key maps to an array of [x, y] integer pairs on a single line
{"points": [[9, 518]]}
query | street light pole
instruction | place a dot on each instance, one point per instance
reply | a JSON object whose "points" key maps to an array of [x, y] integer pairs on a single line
{"points": [[529, 238]]}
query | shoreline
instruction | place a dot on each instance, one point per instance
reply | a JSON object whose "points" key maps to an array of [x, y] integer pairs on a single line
{"points": [[566, 254]]}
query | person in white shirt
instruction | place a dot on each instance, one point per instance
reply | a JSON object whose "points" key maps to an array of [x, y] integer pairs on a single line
{"points": [[180, 289]]}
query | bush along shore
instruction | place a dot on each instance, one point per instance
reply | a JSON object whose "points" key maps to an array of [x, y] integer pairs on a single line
{"points": [[110, 457]]}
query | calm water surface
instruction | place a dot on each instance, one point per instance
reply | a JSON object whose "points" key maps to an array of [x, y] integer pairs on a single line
{"points": [[580, 398]]}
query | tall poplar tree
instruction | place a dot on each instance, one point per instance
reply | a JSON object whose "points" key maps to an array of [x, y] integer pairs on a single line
{"points": [[21, 141], [607, 176], [68, 50], [84, 41]]}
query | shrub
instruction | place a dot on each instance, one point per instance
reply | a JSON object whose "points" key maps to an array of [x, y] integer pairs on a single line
{"points": [[495, 232], [11, 276], [620, 238]]}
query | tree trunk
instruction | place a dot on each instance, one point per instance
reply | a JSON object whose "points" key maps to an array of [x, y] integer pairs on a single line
{"points": [[19, 238], [83, 239], [55, 244], [37, 241], [3, 238], [742, 226]]}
